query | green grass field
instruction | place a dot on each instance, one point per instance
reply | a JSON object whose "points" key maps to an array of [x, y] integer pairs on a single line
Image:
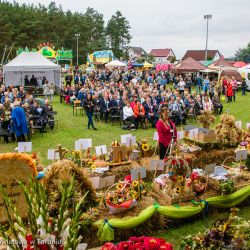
{"points": [[72, 128]]}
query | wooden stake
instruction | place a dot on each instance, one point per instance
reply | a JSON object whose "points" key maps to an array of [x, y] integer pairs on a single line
{"points": [[139, 185]]}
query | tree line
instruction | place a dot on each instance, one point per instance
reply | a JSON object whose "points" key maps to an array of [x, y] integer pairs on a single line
{"points": [[29, 25]]}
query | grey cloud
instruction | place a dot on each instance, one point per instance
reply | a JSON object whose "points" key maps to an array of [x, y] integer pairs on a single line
{"points": [[178, 24]]}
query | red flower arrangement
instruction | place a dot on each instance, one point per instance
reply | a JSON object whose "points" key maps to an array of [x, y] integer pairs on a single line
{"points": [[140, 243]]}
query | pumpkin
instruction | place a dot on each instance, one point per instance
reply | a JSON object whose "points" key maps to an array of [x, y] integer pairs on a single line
{"points": [[101, 164]]}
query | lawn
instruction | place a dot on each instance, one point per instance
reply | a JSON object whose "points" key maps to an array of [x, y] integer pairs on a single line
{"points": [[72, 128]]}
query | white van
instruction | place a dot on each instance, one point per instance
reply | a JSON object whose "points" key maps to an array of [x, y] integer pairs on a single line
{"points": [[245, 73]]}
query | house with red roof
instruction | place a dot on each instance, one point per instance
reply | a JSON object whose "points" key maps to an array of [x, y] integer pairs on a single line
{"points": [[200, 55], [136, 52], [162, 56]]}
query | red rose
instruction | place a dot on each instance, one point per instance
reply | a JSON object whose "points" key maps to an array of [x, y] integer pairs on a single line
{"points": [[173, 162], [166, 246], [151, 243], [109, 246], [181, 162], [29, 238], [42, 247], [124, 245], [128, 178], [138, 246]]}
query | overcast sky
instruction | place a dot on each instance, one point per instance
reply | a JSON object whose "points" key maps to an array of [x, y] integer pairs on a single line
{"points": [[176, 24]]}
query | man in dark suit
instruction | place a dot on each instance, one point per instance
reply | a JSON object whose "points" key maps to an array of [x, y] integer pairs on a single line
{"points": [[150, 112], [104, 107], [33, 81]]}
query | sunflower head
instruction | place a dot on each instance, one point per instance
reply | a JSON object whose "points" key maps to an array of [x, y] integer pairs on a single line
{"points": [[93, 166], [145, 147], [119, 186], [180, 178], [178, 190], [134, 184], [115, 144]]}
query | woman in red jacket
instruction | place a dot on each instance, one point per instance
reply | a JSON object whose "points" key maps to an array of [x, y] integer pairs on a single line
{"points": [[166, 129], [229, 91]]}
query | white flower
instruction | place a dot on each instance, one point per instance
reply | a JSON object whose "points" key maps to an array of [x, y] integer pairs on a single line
{"points": [[66, 223], [42, 233], [81, 246], [64, 235], [39, 221], [22, 240]]}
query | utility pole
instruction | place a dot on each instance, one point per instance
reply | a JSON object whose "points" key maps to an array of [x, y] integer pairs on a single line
{"points": [[207, 18], [77, 35]]}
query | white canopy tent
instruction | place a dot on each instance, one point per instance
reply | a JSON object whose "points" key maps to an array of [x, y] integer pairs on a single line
{"points": [[31, 63], [115, 64]]}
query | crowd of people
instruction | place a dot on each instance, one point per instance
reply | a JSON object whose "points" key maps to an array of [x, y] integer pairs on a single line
{"points": [[138, 95], [133, 97], [21, 114]]}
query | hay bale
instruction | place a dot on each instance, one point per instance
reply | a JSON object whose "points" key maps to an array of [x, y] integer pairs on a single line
{"points": [[61, 172]]}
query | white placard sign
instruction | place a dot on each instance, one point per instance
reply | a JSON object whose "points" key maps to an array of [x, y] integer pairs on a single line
{"points": [[24, 147], [248, 125], [156, 136], [180, 135], [52, 155], [86, 143], [238, 124], [130, 141], [241, 155], [193, 133], [101, 150], [156, 165], [102, 182], [83, 144], [124, 138], [136, 171]]}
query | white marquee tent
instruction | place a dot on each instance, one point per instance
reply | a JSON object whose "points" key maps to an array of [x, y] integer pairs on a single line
{"points": [[31, 63], [115, 64]]}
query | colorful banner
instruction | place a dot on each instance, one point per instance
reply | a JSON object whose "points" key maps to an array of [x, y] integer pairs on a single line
{"points": [[48, 52], [101, 57]]}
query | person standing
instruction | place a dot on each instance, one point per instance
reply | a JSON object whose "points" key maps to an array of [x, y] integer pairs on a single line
{"points": [[6, 119], [166, 131], [18, 117], [46, 89], [243, 87], [206, 84], [89, 107], [33, 81], [51, 91], [234, 86], [229, 91], [68, 79]]}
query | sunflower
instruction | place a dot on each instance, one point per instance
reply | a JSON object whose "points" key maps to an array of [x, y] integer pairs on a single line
{"points": [[89, 164], [115, 144], [93, 167], [134, 195], [178, 190], [119, 186], [134, 184], [180, 178], [145, 147]]}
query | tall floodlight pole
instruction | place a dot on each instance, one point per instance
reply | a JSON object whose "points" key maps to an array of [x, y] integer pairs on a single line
{"points": [[77, 35], [207, 18]]}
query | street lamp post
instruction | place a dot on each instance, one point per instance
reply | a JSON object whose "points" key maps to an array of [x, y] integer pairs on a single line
{"points": [[207, 17], [77, 35]]}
